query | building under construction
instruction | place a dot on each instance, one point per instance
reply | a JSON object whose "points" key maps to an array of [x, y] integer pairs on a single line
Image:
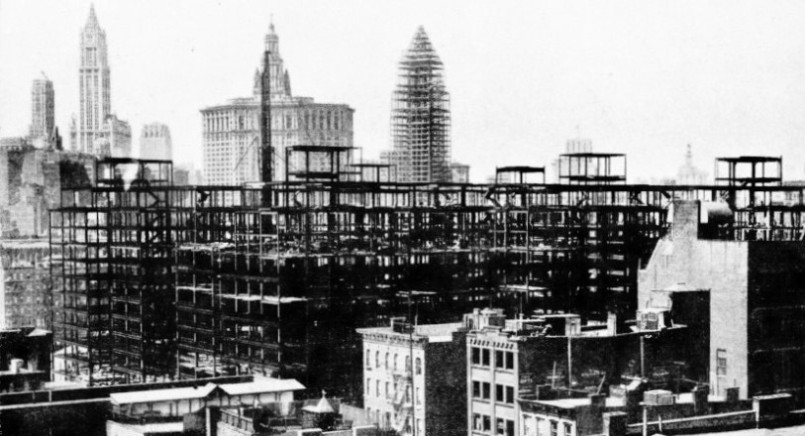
{"points": [[420, 116], [164, 281]]}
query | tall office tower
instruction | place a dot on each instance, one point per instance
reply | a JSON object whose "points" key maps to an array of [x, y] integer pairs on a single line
{"points": [[42, 110], [231, 131], [420, 116], [155, 142], [94, 85], [115, 138]]}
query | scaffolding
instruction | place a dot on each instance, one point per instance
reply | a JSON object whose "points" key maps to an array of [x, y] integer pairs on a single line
{"points": [[420, 116], [163, 281]]}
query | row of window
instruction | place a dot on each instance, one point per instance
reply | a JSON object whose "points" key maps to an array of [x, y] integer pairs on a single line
{"points": [[538, 428], [384, 363], [389, 392], [314, 121], [503, 359], [483, 424], [503, 394]]}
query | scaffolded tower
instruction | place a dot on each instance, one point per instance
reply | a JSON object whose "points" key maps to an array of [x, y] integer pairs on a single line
{"points": [[420, 116]]}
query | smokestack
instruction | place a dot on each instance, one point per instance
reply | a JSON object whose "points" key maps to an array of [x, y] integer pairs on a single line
{"points": [[266, 151]]}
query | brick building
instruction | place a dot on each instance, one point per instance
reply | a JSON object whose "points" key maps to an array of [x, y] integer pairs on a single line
{"points": [[511, 359], [413, 377]]}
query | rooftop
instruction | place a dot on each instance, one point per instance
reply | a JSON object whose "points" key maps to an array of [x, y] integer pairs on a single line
{"points": [[260, 385], [431, 332]]}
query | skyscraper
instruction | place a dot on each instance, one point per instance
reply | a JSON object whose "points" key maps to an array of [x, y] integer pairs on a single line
{"points": [[155, 142], [231, 131], [420, 116], [42, 109], [94, 86]]}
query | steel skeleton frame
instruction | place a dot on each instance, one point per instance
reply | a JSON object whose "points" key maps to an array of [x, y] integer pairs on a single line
{"points": [[222, 284]]}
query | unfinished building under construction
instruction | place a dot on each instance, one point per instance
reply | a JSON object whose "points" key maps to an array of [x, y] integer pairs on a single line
{"points": [[420, 116], [164, 281]]}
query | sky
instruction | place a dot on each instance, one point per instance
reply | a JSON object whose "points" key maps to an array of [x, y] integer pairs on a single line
{"points": [[644, 78]]}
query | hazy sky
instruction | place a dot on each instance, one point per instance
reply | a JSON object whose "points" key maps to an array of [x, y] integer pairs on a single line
{"points": [[645, 78]]}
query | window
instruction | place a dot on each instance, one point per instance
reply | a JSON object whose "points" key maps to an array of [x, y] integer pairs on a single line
{"points": [[388, 390], [481, 390], [418, 366], [499, 393], [377, 388], [568, 429], [509, 360], [419, 395], [395, 362], [485, 357], [476, 355], [377, 359], [499, 359], [504, 427], [554, 428], [721, 361], [477, 423], [387, 360], [487, 423], [368, 386], [510, 394]]}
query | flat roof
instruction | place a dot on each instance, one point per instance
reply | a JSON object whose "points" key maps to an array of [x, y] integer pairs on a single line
{"points": [[155, 428], [162, 395], [260, 385], [785, 431], [572, 403], [432, 332]]}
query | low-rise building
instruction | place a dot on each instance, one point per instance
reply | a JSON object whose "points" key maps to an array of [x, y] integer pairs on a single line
{"points": [[172, 410], [24, 359], [414, 377], [510, 359]]}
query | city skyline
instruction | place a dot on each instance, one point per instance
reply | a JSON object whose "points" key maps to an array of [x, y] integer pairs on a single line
{"points": [[644, 79]]}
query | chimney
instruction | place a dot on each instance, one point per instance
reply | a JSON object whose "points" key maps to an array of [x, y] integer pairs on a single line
{"points": [[733, 394], [700, 405]]}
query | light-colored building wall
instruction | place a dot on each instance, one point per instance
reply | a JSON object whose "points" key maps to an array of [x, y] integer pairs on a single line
{"points": [[492, 384], [721, 267], [43, 104], [155, 142], [400, 375]]}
